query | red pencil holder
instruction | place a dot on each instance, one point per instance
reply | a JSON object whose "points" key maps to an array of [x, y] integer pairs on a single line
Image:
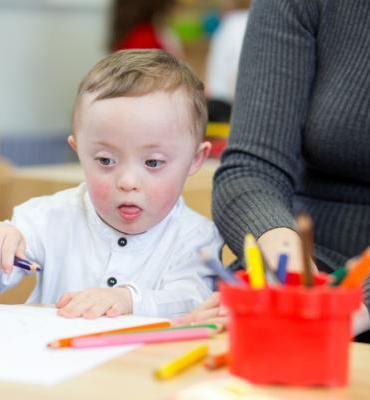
{"points": [[290, 334]]}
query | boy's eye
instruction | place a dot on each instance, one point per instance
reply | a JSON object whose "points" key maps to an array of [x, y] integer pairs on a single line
{"points": [[105, 161], [153, 163]]}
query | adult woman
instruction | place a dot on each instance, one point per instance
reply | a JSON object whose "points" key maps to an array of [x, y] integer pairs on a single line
{"points": [[300, 135]]}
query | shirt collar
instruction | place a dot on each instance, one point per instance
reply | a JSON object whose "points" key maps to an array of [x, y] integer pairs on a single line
{"points": [[111, 236]]}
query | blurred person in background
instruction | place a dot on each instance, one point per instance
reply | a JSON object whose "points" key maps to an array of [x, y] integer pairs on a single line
{"points": [[223, 59], [142, 24]]}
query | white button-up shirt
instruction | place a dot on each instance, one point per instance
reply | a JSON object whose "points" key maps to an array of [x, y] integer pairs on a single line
{"points": [[78, 250]]}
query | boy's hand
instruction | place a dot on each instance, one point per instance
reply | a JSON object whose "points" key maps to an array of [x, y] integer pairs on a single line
{"points": [[11, 243], [93, 303]]}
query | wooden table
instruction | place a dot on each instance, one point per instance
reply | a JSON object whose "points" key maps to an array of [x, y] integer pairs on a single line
{"points": [[130, 377]]}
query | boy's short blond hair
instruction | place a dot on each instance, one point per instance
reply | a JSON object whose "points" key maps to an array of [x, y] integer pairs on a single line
{"points": [[131, 73]]}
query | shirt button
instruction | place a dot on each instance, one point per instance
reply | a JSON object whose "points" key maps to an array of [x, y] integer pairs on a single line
{"points": [[122, 242], [111, 281]]}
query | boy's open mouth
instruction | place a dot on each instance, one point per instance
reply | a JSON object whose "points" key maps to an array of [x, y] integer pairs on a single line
{"points": [[129, 212]]}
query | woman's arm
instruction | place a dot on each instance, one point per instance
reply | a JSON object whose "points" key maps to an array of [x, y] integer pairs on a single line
{"points": [[256, 182]]}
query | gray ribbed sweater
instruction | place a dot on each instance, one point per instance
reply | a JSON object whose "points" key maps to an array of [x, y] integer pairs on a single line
{"points": [[300, 132]]}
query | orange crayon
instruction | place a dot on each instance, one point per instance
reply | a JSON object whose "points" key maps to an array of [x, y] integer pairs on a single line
{"points": [[358, 272]]}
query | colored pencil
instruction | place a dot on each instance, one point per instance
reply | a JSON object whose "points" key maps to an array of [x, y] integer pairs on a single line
{"points": [[270, 275], [143, 337], [27, 265], [359, 271], [155, 327], [217, 267], [282, 265], [337, 276], [181, 363], [217, 360], [67, 342], [215, 327], [254, 262], [304, 226]]}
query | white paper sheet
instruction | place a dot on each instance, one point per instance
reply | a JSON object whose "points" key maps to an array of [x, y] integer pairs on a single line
{"points": [[25, 331]]}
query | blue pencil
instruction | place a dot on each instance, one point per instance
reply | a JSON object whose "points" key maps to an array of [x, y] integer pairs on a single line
{"points": [[281, 269], [223, 273], [27, 265]]}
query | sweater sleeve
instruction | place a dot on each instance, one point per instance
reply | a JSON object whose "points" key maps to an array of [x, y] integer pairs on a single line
{"points": [[254, 186]]}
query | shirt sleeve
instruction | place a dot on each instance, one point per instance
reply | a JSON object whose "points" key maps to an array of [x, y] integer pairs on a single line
{"points": [[254, 186], [186, 284]]}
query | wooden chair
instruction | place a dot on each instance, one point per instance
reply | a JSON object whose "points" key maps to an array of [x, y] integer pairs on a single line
{"points": [[6, 170], [22, 291]]}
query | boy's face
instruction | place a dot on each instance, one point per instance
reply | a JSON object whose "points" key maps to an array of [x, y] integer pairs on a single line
{"points": [[136, 153]]}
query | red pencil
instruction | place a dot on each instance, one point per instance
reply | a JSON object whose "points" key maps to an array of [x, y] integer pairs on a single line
{"points": [[217, 361]]}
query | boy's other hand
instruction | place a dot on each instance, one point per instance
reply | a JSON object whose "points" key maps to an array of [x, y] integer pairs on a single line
{"points": [[93, 303], [208, 312], [11, 243]]}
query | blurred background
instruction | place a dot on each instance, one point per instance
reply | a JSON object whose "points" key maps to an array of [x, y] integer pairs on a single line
{"points": [[47, 46]]}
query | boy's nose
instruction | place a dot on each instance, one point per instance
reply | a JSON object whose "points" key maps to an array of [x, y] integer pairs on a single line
{"points": [[127, 181]]}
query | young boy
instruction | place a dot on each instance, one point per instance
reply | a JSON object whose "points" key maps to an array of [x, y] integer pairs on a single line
{"points": [[124, 241]]}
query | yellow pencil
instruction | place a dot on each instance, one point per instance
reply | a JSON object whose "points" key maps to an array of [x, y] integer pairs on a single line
{"points": [[253, 258], [177, 365]]}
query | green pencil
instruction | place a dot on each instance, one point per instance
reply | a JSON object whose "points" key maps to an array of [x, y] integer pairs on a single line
{"points": [[173, 328], [338, 276]]}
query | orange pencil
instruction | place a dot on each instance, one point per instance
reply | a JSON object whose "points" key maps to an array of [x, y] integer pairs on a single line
{"points": [[217, 361], [67, 342], [358, 272]]}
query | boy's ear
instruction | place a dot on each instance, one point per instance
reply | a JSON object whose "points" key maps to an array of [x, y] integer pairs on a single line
{"points": [[72, 142], [201, 155]]}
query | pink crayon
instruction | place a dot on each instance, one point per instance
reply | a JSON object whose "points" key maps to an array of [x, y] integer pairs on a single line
{"points": [[143, 337]]}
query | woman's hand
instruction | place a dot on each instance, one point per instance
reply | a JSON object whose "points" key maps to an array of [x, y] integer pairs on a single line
{"points": [[275, 240], [208, 312]]}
